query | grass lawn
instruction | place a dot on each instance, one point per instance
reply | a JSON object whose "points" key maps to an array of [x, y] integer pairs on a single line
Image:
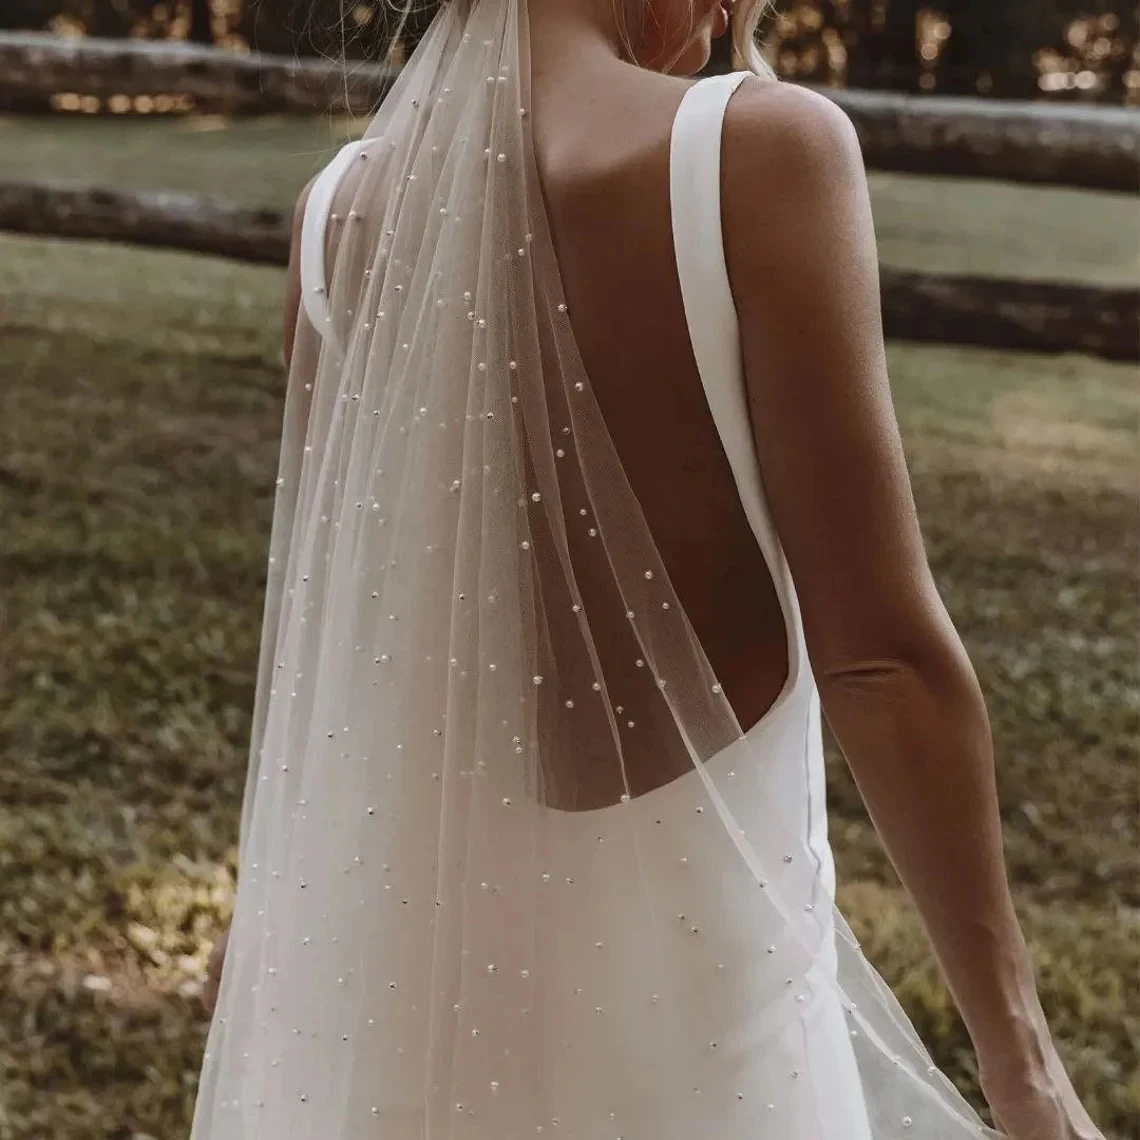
{"points": [[140, 396]]}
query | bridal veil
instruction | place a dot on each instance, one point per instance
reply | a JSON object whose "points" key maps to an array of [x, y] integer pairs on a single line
{"points": [[435, 709]]}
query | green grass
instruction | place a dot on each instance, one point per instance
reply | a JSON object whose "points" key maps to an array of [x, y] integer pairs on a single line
{"points": [[140, 399], [999, 229], [259, 162]]}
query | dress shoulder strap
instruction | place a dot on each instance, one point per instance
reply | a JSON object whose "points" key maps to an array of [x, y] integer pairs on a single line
{"points": [[314, 278], [710, 311], [694, 192]]}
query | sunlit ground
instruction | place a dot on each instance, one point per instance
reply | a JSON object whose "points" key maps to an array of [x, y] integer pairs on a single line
{"points": [[141, 397]]}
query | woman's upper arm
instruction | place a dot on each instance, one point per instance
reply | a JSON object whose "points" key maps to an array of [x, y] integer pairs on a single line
{"points": [[801, 256], [292, 309]]}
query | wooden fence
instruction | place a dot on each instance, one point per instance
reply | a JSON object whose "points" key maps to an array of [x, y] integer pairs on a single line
{"points": [[1062, 144], [1086, 146], [1041, 316]]}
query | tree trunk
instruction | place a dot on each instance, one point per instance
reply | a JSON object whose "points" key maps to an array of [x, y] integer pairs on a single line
{"points": [[107, 19], [265, 32], [201, 22], [882, 45], [30, 14], [991, 48], [1037, 316]]}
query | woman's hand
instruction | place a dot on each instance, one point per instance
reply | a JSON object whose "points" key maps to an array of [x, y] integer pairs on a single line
{"points": [[1036, 1101], [214, 972]]}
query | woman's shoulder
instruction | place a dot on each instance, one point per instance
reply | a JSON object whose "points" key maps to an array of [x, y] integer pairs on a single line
{"points": [[785, 114], [790, 157], [784, 143]]}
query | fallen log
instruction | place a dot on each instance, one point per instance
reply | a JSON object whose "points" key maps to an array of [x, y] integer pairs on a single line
{"points": [[1040, 316], [160, 219], [1067, 144], [37, 66], [994, 312]]}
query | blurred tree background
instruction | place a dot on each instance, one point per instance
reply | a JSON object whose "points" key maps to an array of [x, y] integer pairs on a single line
{"points": [[1020, 49], [1075, 49]]}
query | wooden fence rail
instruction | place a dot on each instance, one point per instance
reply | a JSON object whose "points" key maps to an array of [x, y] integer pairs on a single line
{"points": [[1064, 144], [35, 66], [1093, 147], [1039, 316]]}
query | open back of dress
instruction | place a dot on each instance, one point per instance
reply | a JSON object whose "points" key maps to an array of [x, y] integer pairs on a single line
{"points": [[465, 910]]}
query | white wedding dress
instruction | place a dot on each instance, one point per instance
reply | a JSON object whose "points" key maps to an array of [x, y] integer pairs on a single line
{"points": [[425, 947]]}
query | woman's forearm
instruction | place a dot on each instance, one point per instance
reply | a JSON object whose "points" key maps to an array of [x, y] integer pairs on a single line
{"points": [[917, 739]]}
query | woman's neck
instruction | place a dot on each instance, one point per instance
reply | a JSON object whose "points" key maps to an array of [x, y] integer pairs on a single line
{"points": [[573, 36]]}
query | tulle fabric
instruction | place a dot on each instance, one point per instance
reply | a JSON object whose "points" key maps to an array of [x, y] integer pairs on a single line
{"points": [[509, 865]]}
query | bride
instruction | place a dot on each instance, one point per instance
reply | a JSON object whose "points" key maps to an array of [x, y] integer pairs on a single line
{"points": [[591, 498]]}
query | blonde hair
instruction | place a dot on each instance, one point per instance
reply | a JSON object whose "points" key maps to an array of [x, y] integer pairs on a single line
{"points": [[746, 17]]}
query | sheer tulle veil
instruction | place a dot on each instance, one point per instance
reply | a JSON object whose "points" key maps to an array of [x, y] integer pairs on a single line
{"points": [[435, 707]]}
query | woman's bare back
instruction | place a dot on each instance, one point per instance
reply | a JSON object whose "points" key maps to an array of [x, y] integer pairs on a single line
{"points": [[604, 164]]}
